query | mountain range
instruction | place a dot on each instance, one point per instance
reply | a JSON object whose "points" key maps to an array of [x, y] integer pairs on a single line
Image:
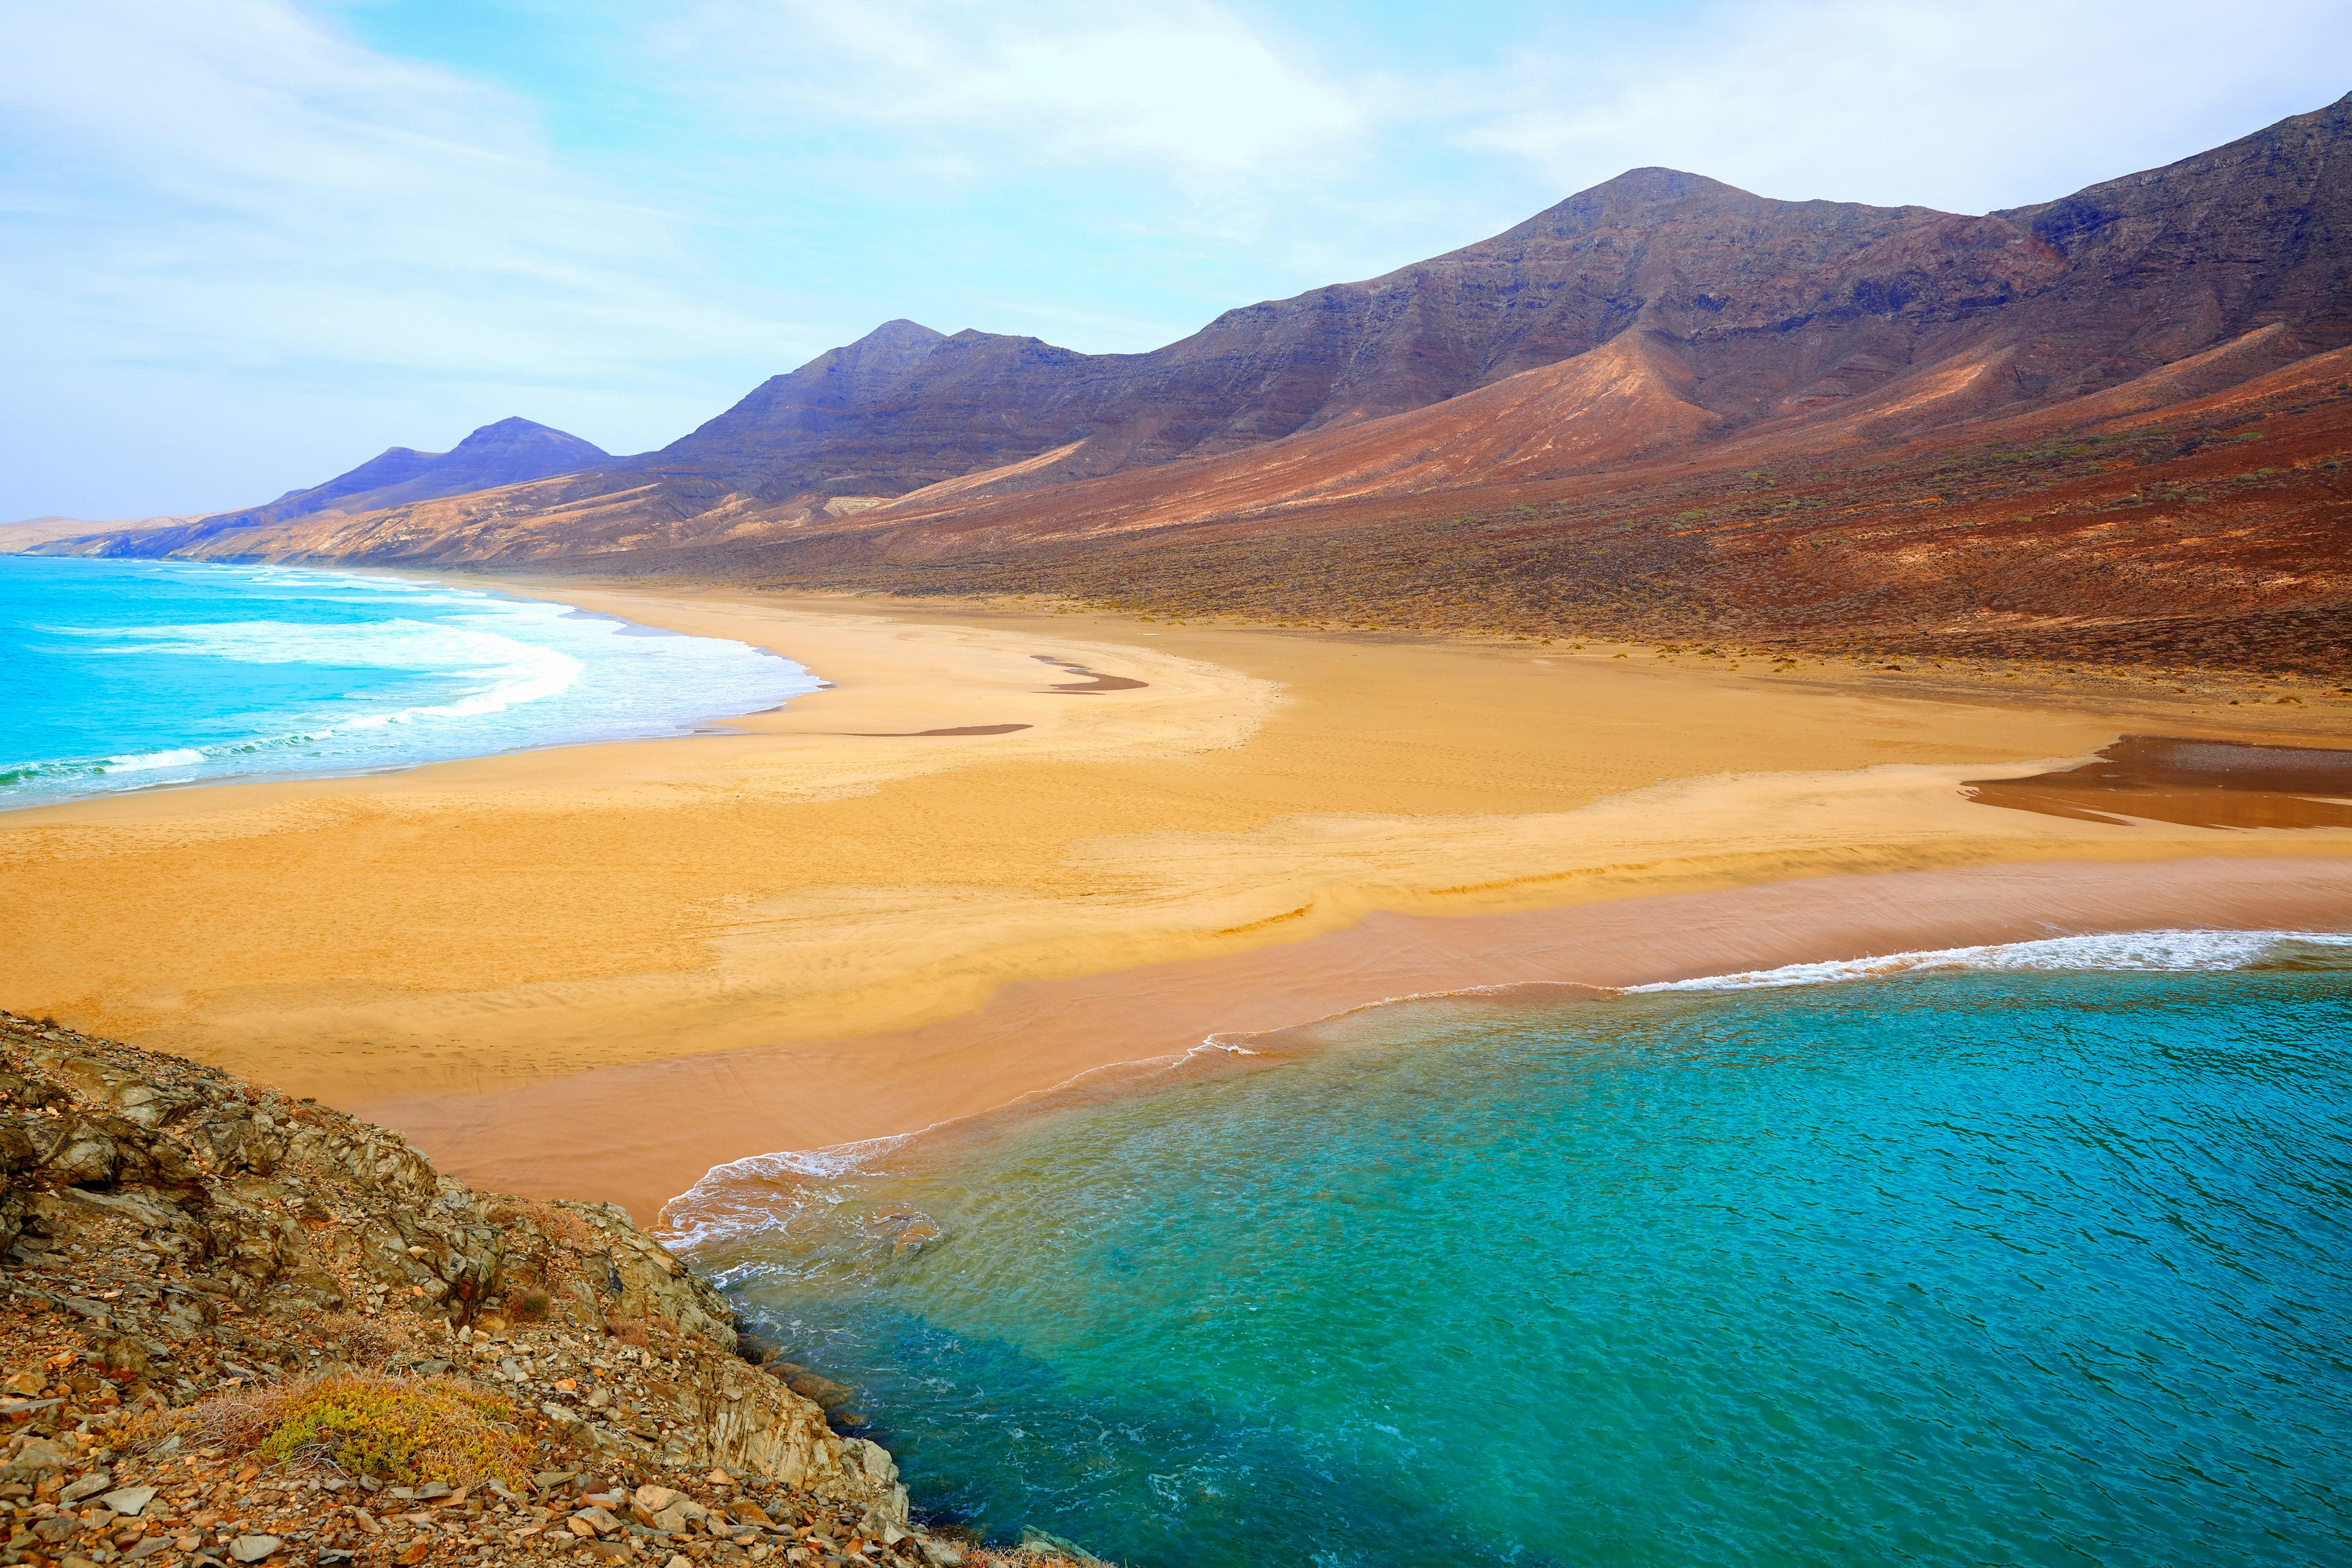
{"points": [[1663, 405], [512, 451]]}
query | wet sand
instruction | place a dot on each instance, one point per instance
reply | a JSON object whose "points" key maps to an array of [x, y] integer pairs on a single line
{"points": [[986, 804], [2205, 784], [670, 1122]]}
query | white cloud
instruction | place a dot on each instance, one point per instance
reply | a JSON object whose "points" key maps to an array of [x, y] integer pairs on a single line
{"points": [[234, 195], [1192, 91], [1965, 106], [241, 172]]}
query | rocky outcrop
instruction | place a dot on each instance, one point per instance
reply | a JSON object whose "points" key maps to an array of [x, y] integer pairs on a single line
{"points": [[182, 1247]]}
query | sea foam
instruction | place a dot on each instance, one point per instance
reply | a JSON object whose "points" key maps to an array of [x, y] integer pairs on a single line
{"points": [[742, 1198], [137, 674], [2177, 950]]}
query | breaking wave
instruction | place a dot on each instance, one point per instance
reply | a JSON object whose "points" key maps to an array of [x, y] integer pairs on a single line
{"points": [[135, 675]]}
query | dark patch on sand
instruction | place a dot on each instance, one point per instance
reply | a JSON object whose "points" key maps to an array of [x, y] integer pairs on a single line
{"points": [[2201, 783], [954, 729], [1095, 681]]}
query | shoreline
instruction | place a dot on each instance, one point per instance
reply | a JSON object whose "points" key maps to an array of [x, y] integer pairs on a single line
{"points": [[694, 716], [987, 804], [687, 1116]]}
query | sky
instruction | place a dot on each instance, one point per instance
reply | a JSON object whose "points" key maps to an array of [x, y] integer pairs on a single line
{"points": [[249, 244]]}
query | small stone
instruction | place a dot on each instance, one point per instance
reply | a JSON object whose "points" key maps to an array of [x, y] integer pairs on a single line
{"points": [[679, 1560], [654, 1499], [600, 1519], [89, 1486], [254, 1548], [38, 1454], [129, 1499]]}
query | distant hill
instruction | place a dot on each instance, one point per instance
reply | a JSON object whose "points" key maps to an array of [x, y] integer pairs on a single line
{"points": [[511, 451], [1592, 402], [18, 537], [505, 453]]}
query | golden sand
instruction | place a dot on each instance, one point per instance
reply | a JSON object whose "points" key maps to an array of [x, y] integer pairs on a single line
{"points": [[829, 875]]}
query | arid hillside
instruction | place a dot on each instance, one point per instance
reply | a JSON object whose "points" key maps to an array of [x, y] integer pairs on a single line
{"points": [[511, 451], [1665, 407]]}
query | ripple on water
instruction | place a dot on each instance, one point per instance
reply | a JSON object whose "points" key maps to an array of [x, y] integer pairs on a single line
{"points": [[1938, 1267]]}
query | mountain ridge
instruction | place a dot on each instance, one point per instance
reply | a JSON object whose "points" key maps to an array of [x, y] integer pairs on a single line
{"points": [[508, 451], [1660, 317]]}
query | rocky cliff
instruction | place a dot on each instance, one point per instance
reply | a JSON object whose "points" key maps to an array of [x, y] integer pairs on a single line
{"points": [[239, 1327]]}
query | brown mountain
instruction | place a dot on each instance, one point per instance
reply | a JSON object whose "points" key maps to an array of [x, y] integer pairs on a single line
{"points": [[511, 451], [1660, 336]]}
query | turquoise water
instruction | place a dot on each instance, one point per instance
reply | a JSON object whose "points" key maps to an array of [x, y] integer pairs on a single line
{"points": [[2002, 1259], [120, 675]]}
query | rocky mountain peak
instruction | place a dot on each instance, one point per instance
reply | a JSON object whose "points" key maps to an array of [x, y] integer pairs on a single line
{"points": [[900, 332], [515, 431]]}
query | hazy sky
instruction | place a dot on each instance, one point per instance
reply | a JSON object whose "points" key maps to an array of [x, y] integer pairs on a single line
{"points": [[250, 243]]}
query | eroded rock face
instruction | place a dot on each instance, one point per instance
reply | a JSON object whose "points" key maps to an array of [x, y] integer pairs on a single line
{"points": [[170, 1231], [289, 1198]]}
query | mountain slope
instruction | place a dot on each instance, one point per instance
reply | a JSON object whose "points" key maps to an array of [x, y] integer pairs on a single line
{"points": [[505, 453], [1639, 348], [510, 451], [21, 536], [905, 406], [1776, 307]]}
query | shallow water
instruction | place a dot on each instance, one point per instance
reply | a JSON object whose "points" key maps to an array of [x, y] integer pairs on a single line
{"points": [[120, 675], [1984, 1260]]}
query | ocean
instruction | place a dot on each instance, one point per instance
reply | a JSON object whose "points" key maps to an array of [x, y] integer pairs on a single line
{"points": [[2038, 1254], [122, 675]]}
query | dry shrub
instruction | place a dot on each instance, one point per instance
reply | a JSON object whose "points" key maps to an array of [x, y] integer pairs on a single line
{"points": [[559, 1224], [406, 1429], [362, 1338]]}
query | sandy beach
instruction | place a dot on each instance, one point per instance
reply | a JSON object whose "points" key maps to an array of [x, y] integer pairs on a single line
{"points": [[1004, 847]]}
